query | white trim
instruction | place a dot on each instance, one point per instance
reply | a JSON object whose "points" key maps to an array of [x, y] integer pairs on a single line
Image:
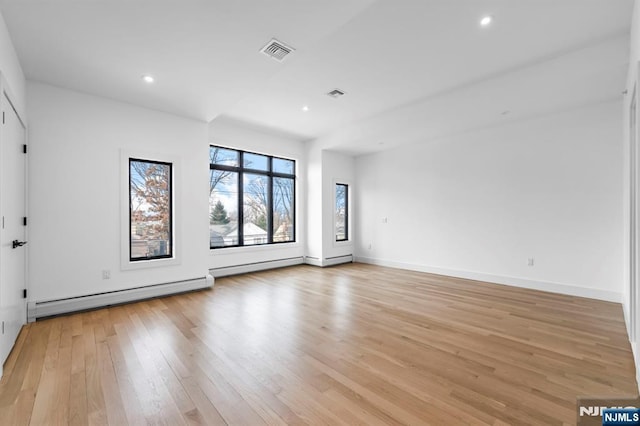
{"points": [[253, 267], [125, 263], [313, 261], [634, 345], [627, 323], [331, 261], [56, 307], [636, 360], [633, 216], [568, 289], [22, 116]]}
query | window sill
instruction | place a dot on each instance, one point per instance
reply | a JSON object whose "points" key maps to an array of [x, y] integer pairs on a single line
{"points": [[151, 263]]}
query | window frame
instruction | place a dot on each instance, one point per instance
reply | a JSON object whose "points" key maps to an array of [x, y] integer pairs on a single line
{"points": [[346, 212], [241, 170], [171, 248]]}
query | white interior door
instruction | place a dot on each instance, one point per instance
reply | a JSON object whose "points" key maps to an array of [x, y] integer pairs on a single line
{"points": [[12, 228]]}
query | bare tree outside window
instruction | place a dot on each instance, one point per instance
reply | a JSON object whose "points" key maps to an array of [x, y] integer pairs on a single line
{"points": [[283, 206], [342, 212], [251, 198], [223, 196], [256, 207], [150, 209]]}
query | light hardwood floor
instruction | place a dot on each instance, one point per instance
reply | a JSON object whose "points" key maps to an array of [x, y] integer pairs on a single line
{"points": [[354, 344]]}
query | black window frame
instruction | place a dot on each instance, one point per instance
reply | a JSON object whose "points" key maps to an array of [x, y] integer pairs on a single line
{"points": [[170, 254], [270, 174], [346, 212]]}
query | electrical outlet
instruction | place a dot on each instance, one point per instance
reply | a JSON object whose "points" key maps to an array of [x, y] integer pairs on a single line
{"points": [[384, 220], [106, 274], [530, 261]]}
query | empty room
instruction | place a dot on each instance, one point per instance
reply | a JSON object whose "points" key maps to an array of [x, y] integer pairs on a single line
{"points": [[285, 212]]}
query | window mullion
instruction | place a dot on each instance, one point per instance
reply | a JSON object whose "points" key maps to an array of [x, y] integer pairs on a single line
{"points": [[270, 203], [241, 201], [346, 212]]}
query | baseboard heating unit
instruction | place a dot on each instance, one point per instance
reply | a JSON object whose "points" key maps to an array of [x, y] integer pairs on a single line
{"points": [[254, 267], [328, 261], [49, 308]]}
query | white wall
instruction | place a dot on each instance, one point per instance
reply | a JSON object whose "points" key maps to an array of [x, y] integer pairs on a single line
{"points": [[234, 134], [336, 168], [480, 204], [314, 195], [75, 191], [325, 169], [11, 69]]}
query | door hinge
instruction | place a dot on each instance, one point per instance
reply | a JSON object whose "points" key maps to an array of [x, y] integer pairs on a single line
{"points": [[24, 148], [2, 117], [24, 221], [24, 293]]}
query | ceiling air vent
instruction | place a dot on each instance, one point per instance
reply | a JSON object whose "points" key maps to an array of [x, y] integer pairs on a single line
{"points": [[335, 93], [277, 50]]}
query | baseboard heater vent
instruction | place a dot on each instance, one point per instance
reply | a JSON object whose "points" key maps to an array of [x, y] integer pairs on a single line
{"points": [[256, 266], [49, 308], [328, 261]]}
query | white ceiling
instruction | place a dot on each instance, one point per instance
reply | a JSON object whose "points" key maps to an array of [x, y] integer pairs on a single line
{"points": [[411, 68]]}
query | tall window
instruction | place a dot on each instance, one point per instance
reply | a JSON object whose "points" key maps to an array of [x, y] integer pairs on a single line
{"points": [[342, 212], [251, 198], [150, 213]]}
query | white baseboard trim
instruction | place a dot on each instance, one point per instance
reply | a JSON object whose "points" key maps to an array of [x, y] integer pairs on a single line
{"points": [[627, 318], [313, 261], [634, 346], [254, 267], [571, 290], [329, 261], [636, 360], [43, 309]]}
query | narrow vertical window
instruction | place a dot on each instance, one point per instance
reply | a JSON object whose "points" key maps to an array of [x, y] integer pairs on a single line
{"points": [[150, 210], [342, 212]]}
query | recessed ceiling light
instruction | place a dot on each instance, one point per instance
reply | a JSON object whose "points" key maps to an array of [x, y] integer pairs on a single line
{"points": [[148, 79], [305, 108], [486, 21]]}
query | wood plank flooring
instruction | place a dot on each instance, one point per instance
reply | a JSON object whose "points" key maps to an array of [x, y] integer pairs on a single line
{"points": [[354, 344]]}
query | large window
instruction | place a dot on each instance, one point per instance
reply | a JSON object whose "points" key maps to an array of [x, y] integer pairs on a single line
{"points": [[251, 198], [342, 212], [150, 213]]}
